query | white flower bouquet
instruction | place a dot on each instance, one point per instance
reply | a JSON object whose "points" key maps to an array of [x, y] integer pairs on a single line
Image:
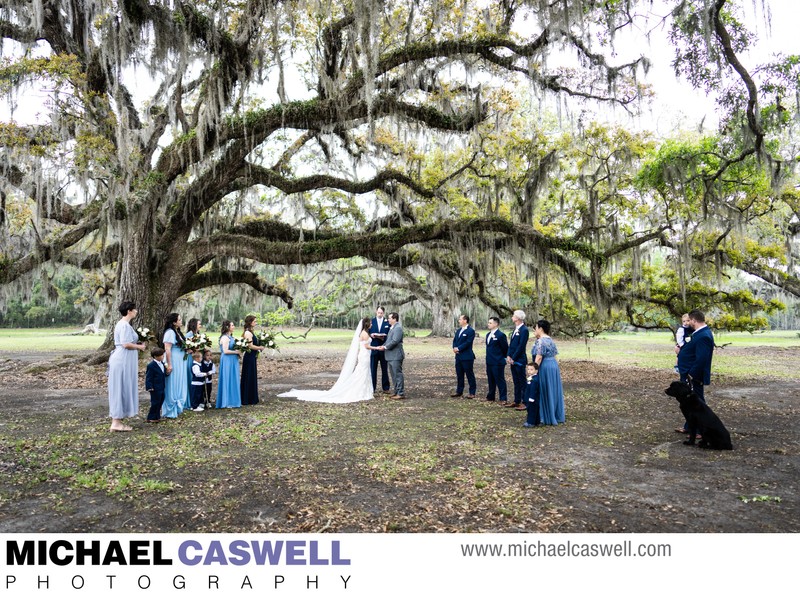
{"points": [[267, 340], [145, 334], [240, 344]]}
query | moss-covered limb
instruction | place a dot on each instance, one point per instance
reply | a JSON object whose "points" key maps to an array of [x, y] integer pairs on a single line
{"points": [[275, 230], [51, 207], [268, 177], [9, 30], [218, 276], [47, 252], [370, 245], [732, 59], [624, 246], [418, 52], [91, 261]]}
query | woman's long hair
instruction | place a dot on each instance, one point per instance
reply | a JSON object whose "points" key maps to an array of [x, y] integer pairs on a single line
{"points": [[192, 326], [249, 322], [366, 324], [226, 326], [169, 324]]}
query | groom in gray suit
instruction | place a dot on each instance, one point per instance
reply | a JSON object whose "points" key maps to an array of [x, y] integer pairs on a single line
{"points": [[395, 355]]}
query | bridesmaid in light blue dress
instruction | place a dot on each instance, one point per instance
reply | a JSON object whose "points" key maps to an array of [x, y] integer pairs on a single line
{"points": [[123, 370], [228, 391], [551, 391], [176, 396]]}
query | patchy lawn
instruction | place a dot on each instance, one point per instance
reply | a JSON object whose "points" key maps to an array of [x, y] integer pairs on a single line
{"points": [[427, 464]]}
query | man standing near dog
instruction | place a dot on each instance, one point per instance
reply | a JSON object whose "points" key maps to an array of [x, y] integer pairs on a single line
{"points": [[694, 359]]}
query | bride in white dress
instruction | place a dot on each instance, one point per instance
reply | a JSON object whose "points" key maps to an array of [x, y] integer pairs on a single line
{"points": [[355, 380]]}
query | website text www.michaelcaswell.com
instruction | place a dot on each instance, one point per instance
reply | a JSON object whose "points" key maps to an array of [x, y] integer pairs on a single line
{"points": [[566, 549]]}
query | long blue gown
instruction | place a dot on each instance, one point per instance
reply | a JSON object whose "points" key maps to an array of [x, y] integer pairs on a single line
{"points": [[176, 395], [551, 391], [123, 374], [228, 392]]}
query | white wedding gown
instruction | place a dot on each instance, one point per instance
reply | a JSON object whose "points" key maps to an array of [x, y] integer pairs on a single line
{"points": [[354, 383]]}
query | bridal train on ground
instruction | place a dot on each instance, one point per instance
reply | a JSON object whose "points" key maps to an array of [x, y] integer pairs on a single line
{"points": [[355, 380]]}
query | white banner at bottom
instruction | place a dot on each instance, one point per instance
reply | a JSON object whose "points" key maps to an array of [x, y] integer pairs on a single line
{"points": [[388, 563]]}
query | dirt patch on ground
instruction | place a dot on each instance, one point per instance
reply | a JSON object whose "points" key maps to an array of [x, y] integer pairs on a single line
{"points": [[429, 463]]}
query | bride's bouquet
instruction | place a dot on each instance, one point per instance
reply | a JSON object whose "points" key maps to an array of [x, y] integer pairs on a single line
{"points": [[145, 334], [240, 344], [267, 340]]}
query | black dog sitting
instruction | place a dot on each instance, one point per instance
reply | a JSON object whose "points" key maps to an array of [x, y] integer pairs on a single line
{"points": [[700, 419]]}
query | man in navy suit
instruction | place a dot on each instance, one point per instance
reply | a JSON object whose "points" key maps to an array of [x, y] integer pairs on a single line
{"points": [[155, 382], [518, 358], [465, 358], [700, 349], [496, 351], [378, 331]]}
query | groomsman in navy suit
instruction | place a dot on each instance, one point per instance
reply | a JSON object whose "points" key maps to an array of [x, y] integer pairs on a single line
{"points": [[518, 358], [465, 358], [496, 351], [700, 351], [378, 331]]}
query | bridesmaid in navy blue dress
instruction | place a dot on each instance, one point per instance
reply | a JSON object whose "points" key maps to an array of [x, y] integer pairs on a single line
{"points": [[249, 384]]}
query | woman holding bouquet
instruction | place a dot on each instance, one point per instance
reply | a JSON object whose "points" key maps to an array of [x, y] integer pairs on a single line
{"points": [[228, 392], [192, 330], [249, 383], [177, 392], [123, 370]]}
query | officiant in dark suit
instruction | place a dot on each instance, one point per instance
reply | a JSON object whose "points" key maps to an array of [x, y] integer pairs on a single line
{"points": [[393, 347], [465, 358], [378, 332]]}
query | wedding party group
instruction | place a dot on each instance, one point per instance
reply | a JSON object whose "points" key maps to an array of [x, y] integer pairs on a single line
{"points": [[180, 375]]}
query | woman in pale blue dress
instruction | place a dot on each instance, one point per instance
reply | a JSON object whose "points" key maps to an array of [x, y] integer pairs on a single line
{"points": [[551, 391], [123, 370], [228, 391], [176, 395]]}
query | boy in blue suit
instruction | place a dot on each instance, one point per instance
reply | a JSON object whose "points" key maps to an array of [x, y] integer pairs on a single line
{"points": [[496, 351], [518, 358], [155, 381], [465, 358], [532, 396], [378, 332]]}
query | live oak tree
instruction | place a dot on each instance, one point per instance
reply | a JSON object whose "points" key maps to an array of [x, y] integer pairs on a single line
{"points": [[168, 123], [142, 185]]}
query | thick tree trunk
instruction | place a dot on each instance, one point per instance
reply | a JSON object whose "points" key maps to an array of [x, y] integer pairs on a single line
{"points": [[442, 312]]}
